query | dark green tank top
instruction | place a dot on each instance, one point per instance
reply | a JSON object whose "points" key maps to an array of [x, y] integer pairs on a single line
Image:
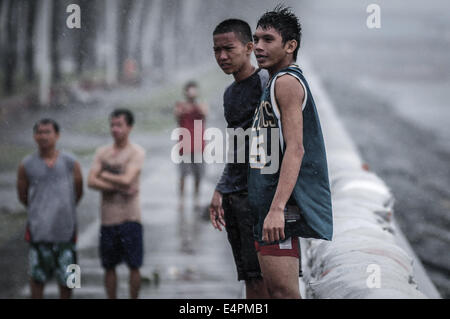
{"points": [[311, 193]]}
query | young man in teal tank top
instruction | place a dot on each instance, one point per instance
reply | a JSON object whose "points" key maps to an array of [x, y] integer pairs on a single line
{"points": [[288, 185]]}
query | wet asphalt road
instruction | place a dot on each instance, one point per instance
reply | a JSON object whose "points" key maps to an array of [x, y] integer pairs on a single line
{"points": [[184, 256], [390, 88]]}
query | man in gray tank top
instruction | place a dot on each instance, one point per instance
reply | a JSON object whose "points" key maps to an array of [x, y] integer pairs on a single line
{"points": [[50, 184]]}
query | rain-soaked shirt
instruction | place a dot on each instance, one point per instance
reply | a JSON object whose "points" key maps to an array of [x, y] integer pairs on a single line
{"points": [[51, 198], [240, 102]]}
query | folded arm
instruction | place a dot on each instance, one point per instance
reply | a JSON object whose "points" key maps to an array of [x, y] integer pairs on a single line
{"points": [[126, 179], [94, 179]]}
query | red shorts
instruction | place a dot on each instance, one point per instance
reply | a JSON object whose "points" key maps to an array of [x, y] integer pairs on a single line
{"points": [[289, 247]]}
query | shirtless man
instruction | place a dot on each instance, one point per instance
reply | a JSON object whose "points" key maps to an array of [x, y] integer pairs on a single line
{"points": [[115, 172], [186, 113]]}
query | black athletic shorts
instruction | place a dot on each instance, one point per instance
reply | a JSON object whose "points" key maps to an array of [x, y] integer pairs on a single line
{"points": [[122, 242], [239, 226]]}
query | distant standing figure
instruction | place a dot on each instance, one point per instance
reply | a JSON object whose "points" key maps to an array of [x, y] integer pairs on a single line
{"points": [[186, 113], [116, 173], [50, 185]]}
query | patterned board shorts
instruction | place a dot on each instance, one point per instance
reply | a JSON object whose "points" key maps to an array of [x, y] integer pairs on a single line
{"points": [[48, 259]]}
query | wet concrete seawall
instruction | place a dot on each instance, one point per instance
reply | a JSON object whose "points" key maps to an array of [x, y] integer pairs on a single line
{"points": [[369, 256], [389, 88]]}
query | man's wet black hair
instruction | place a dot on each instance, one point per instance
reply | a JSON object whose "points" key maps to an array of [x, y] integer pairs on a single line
{"points": [[190, 84], [129, 117], [46, 121], [283, 20], [239, 27]]}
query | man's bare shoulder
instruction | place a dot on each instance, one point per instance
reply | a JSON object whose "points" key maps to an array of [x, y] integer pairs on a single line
{"points": [[288, 86], [139, 150], [180, 104], [288, 81], [102, 150]]}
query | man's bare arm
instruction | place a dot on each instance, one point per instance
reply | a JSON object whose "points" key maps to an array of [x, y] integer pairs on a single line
{"points": [[204, 108], [124, 179], [131, 172], [289, 95], [95, 182], [178, 110], [22, 185], [78, 182]]}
